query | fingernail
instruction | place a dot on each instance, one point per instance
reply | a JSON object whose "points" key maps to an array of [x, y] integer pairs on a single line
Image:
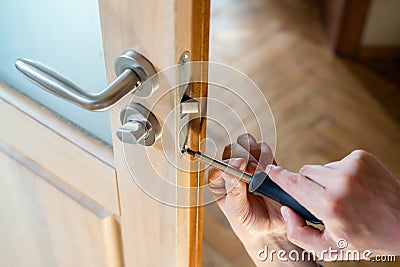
{"points": [[285, 213], [237, 162]]}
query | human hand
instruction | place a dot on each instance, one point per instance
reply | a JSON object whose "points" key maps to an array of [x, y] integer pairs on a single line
{"points": [[357, 198], [256, 220], [248, 214]]}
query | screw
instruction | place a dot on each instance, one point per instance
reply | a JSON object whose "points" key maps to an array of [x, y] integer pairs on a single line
{"points": [[185, 57]]}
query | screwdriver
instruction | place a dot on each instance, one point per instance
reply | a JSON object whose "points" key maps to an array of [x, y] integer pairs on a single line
{"points": [[259, 183]]}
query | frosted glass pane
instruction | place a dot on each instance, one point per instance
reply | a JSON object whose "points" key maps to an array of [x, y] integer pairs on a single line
{"points": [[66, 36]]}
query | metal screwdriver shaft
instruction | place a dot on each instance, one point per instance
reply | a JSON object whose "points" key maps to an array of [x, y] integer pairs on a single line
{"points": [[244, 176], [259, 183]]}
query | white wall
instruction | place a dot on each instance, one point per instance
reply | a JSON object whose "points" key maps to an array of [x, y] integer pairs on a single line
{"points": [[382, 26]]}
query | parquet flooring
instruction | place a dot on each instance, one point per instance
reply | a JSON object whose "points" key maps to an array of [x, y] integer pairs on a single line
{"points": [[324, 106]]}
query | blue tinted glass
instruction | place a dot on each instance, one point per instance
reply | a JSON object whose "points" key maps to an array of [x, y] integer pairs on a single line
{"points": [[64, 35]]}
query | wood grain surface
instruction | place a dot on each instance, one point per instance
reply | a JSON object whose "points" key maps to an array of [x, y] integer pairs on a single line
{"points": [[324, 107]]}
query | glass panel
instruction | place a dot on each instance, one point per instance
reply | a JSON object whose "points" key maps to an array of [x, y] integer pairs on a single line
{"points": [[64, 35]]}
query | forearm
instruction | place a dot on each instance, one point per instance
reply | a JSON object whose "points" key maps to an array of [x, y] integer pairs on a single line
{"points": [[276, 250]]}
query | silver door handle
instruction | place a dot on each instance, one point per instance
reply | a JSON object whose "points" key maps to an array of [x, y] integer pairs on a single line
{"points": [[132, 70]]}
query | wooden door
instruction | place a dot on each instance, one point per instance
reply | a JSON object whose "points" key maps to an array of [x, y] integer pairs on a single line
{"points": [[68, 199], [155, 234]]}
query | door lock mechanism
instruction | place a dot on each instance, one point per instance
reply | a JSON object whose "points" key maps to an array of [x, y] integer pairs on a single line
{"points": [[139, 125]]}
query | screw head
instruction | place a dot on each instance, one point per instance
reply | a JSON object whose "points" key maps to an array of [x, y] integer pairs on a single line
{"points": [[185, 57]]}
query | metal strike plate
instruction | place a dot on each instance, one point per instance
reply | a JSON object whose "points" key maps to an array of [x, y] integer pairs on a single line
{"points": [[187, 105]]}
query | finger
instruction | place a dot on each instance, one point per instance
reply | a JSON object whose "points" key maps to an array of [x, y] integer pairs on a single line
{"points": [[266, 156], [216, 179], [236, 198], [355, 155], [237, 151], [320, 174], [333, 165], [301, 234], [260, 151], [250, 144], [216, 182], [304, 190], [346, 164]]}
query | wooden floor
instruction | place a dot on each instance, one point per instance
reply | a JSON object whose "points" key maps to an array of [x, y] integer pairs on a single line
{"points": [[324, 107]]}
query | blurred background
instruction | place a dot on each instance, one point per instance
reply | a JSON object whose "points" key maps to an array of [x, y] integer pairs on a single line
{"points": [[330, 70]]}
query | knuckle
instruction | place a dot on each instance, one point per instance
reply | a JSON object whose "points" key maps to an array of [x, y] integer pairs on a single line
{"points": [[336, 199], [235, 192], [277, 170], [265, 150], [304, 168], [213, 175], [264, 147], [235, 147], [293, 180], [335, 203], [213, 185], [349, 181], [335, 206], [243, 135], [360, 154], [227, 160]]}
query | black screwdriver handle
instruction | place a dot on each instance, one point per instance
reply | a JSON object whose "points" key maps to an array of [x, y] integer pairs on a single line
{"points": [[261, 184]]}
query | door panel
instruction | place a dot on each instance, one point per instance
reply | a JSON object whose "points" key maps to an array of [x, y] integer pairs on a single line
{"points": [[63, 159], [45, 225], [162, 30]]}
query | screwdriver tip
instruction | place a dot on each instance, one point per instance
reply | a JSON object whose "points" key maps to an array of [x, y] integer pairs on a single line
{"points": [[188, 151]]}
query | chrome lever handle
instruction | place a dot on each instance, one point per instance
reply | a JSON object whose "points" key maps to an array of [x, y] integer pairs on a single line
{"points": [[132, 70]]}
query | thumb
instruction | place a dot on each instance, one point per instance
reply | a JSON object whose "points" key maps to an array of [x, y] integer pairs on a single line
{"points": [[302, 234], [236, 190]]}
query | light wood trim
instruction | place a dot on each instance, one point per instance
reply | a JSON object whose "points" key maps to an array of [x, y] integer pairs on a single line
{"points": [[25, 131], [379, 52], [113, 241], [345, 21], [197, 131]]}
